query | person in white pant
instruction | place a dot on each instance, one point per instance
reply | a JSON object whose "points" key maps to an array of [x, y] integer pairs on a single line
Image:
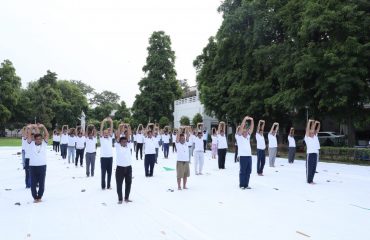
{"points": [[273, 144], [198, 153]]}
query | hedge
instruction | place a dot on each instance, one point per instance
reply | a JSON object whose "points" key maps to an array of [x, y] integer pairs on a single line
{"points": [[344, 154]]}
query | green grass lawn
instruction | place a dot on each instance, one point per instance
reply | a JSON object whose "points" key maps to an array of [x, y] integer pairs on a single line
{"points": [[13, 142]]}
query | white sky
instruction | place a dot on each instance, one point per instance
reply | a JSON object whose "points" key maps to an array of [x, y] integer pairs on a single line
{"points": [[102, 43]]}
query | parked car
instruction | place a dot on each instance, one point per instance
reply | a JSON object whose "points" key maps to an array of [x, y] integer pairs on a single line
{"points": [[330, 139]]}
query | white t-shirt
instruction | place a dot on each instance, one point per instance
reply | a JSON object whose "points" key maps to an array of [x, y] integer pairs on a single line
{"points": [[24, 143], [90, 145], [56, 138], [174, 138], [72, 141], [37, 153], [291, 141], [64, 139], [123, 155], [182, 152], [166, 138], [80, 142], [311, 145], [244, 145], [149, 145], [317, 142], [199, 147], [205, 136], [157, 139], [214, 139], [106, 149], [221, 141], [134, 137], [191, 139], [261, 144], [272, 141], [26, 149], [139, 138]]}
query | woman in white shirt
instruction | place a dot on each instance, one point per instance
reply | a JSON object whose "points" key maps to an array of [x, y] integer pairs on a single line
{"points": [[312, 151], [106, 153], [64, 141], [214, 143], [261, 146], [292, 146], [273, 143], [71, 145], [80, 147], [221, 145], [90, 150]]}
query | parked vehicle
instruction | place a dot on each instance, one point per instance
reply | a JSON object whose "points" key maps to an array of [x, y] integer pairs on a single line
{"points": [[330, 139]]}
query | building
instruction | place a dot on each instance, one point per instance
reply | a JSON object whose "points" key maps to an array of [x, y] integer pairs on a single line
{"points": [[189, 106]]}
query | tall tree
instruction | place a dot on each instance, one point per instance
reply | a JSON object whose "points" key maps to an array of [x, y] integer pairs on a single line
{"points": [[159, 88], [185, 121], [10, 88]]}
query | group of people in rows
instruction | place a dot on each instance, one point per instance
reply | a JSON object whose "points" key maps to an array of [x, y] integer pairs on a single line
{"points": [[186, 141]]}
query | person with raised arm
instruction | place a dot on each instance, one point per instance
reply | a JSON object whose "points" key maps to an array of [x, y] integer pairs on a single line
{"points": [[236, 157], [90, 149], [56, 140], [198, 152], [123, 160], [157, 142], [64, 141], [214, 143], [134, 139], [106, 153], [312, 151], [149, 150], [139, 141], [273, 143], [174, 134], [37, 149], [317, 142], [26, 157], [205, 138], [189, 136], [80, 145], [221, 145], [261, 146], [72, 145], [292, 146], [166, 142], [244, 152], [182, 164]]}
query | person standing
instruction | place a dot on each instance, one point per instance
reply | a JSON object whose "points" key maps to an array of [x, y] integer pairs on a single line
{"points": [[261, 146], [182, 165], [157, 141], [236, 158], [71, 145], [214, 143], [149, 150], [317, 142], [90, 148], [273, 144], [311, 148], [106, 153], [37, 150], [26, 157], [139, 142], [174, 135], [166, 143], [292, 146], [123, 160], [64, 142], [221, 145], [205, 139], [56, 140], [80, 147], [198, 154], [134, 139], [245, 153]]}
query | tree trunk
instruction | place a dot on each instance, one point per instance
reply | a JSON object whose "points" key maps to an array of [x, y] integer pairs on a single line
{"points": [[351, 131]]}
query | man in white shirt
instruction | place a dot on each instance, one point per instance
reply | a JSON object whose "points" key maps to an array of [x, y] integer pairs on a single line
{"points": [[56, 140], [174, 135], [221, 145], [80, 147], [106, 153], [124, 169], [37, 150], [261, 146], [149, 158], [139, 143], [166, 144], [245, 152], [90, 150], [157, 140], [292, 146], [182, 165], [312, 151], [64, 142], [71, 145], [198, 154], [273, 144], [205, 139]]}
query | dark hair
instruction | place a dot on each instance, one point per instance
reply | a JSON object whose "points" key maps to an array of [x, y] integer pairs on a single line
{"points": [[37, 135], [182, 135], [122, 138], [150, 131]]}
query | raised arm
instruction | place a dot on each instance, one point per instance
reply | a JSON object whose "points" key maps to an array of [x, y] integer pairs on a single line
{"points": [[242, 126], [291, 133], [46, 133], [276, 127], [102, 126], [308, 128], [129, 132], [110, 130], [251, 128], [118, 132], [29, 132], [178, 136], [317, 127]]}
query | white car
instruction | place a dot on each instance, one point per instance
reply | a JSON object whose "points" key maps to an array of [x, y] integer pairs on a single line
{"points": [[330, 139]]}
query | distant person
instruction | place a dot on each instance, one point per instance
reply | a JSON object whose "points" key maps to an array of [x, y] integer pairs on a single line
{"points": [[221, 145], [166, 143], [123, 160], [56, 140], [90, 149], [312, 151], [149, 159], [292, 146], [64, 142], [236, 157], [37, 149], [72, 145], [198, 154], [157, 138], [273, 144], [182, 165], [174, 134], [26, 157], [139, 142], [205, 139], [80, 147], [243, 138], [214, 143], [106, 153], [261, 147], [317, 126]]}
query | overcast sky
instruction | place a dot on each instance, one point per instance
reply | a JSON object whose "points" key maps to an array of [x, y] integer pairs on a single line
{"points": [[102, 43]]}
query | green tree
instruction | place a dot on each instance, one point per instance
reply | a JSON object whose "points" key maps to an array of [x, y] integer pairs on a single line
{"points": [[164, 121], [10, 89], [122, 112], [159, 88], [185, 121], [197, 119]]}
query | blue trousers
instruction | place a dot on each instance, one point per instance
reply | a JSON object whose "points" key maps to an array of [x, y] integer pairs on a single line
{"points": [[106, 169], [311, 164], [149, 162], [37, 174], [245, 170], [261, 159], [166, 148]]}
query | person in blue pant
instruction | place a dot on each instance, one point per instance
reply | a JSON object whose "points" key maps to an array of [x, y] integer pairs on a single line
{"points": [[244, 152], [261, 146], [312, 151]]}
